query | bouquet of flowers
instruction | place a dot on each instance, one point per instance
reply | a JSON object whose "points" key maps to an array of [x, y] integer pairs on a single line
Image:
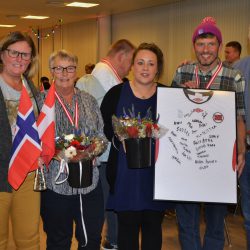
{"points": [[133, 126], [137, 133], [76, 153], [75, 147]]}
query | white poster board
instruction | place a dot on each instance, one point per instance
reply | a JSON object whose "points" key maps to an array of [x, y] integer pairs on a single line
{"points": [[196, 160]]}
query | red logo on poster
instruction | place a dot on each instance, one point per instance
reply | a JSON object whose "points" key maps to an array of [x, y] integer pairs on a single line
{"points": [[218, 117]]}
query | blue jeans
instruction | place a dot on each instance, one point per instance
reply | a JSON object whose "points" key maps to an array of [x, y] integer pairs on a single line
{"points": [[188, 216], [245, 196], [110, 216]]}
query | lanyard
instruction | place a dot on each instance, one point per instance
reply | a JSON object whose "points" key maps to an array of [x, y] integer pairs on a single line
{"points": [[113, 69], [67, 112], [212, 78]]}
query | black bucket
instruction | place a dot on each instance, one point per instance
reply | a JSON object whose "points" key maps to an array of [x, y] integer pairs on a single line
{"points": [[138, 152], [74, 178]]}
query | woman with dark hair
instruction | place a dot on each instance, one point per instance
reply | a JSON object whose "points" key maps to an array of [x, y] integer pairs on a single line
{"points": [[21, 206], [44, 83], [131, 194]]}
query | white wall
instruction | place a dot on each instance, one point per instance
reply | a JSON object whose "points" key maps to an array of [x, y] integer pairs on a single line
{"points": [[79, 38], [171, 27]]}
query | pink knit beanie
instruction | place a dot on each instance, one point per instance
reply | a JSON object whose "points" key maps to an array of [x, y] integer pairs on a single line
{"points": [[208, 25]]}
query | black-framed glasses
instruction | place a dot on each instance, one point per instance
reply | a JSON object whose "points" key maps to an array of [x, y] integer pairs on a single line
{"points": [[14, 54], [60, 69]]}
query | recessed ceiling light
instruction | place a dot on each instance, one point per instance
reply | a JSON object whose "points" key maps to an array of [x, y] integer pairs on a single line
{"points": [[7, 25], [82, 5], [34, 17], [56, 3], [13, 16]]}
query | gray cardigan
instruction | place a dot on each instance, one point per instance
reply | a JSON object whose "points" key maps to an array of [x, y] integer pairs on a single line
{"points": [[6, 141]]}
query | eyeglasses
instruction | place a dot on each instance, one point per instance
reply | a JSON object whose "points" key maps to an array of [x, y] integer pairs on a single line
{"points": [[14, 54], [69, 69]]}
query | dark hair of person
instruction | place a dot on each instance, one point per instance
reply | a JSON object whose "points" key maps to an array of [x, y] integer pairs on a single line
{"points": [[206, 35], [18, 36], [236, 45], [89, 68], [157, 51], [120, 45], [44, 79]]}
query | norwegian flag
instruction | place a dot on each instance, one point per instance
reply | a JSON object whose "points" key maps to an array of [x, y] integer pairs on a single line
{"points": [[46, 126], [26, 147]]}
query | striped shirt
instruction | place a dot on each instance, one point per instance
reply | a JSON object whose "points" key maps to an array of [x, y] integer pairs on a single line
{"points": [[227, 79]]}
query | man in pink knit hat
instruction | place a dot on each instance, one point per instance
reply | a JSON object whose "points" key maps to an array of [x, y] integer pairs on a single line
{"points": [[209, 73]]}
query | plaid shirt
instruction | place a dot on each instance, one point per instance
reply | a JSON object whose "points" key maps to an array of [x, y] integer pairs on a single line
{"points": [[227, 79]]}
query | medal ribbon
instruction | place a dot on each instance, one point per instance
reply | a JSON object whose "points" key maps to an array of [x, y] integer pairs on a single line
{"points": [[112, 68], [212, 78], [73, 123]]}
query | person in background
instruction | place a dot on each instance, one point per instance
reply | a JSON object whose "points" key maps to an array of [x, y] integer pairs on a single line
{"points": [[207, 42], [89, 68], [21, 206], [87, 82], [131, 190], [107, 73], [244, 66], [232, 53], [232, 56], [44, 83], [61, 204], [90, 84]]}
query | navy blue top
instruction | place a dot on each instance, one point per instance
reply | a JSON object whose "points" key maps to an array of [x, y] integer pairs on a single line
{"points": [[134, 187]]}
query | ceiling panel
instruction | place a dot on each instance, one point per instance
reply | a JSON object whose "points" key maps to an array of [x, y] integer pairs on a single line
{"points": [[12, 10]]}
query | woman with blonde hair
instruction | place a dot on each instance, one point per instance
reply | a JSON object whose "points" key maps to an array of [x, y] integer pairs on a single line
{"points": [[62, 204]]}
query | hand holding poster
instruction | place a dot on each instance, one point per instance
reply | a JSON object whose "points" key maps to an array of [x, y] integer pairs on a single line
{"points": [[195, 161]]}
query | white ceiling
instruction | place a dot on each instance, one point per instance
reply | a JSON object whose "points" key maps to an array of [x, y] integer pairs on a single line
{"points": [[12, 10]]}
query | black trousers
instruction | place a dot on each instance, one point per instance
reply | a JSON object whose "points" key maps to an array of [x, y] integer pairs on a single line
{"points": [[60, 211], [131, 222]]}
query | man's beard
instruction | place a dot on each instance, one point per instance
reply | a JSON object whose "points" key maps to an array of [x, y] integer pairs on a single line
{"points": [[209, 63]]}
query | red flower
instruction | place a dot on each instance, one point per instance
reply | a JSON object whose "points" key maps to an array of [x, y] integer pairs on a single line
{"points": [[132, 132], [75, 144], [81, 147], [148, 129], [156, 126]]}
